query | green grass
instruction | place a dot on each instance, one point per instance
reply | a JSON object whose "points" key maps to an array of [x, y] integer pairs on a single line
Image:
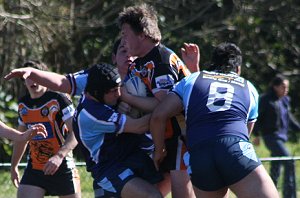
{"points": [[9, 191]]}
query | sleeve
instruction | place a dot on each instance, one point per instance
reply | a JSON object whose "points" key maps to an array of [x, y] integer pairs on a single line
{"points": [[294, 125], [66, 106], [184, 88], [101, 120], [78, 82], [253, 111], [168, 72]]}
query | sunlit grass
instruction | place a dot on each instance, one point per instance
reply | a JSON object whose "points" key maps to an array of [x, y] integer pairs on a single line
{"points": [[9, 191]]}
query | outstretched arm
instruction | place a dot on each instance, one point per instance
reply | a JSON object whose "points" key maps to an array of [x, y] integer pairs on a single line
{"points": [[190, 54], [54, 81], [13, 134], [170, 106]]}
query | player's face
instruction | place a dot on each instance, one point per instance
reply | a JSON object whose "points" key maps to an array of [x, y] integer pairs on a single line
{"points": [[112, 96], [123, 59], [282, 89], [131, 39], [35, 90]]}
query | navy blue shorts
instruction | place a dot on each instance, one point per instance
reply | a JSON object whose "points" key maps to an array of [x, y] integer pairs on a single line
{"points": [[112, 181], [218, 163], [60, 184]]}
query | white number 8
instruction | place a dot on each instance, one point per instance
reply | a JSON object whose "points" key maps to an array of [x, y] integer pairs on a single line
{"points": [[214, 94]]}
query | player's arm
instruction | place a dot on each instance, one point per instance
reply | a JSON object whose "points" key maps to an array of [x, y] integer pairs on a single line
{"points": [[190, 54], [169, 107], [55, 161], [18, 151], [54, 81], [139, 125], [13, 134], [145, 104], [250, 126]]}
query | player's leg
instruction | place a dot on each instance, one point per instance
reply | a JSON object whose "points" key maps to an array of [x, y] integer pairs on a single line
{"points": [[257, 184], [221, 193], [181, 184], [138, 187], [165, 185], [29, 191]]}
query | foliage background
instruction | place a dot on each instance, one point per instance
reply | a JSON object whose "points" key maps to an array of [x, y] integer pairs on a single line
{"points": [[71, 35]]}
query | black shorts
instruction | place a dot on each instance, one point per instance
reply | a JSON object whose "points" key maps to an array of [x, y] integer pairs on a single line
{"points": [[60, 184], [175, 148]]}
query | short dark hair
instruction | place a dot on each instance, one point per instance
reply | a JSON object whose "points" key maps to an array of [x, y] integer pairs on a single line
{"points": [[101, 78], [226, 57], [278, 80], [142, 19], [36, 64]]}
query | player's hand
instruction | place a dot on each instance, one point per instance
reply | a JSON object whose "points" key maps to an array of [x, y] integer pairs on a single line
{"points": [[19, 73], [123, 107], [158, 157], [52, 165], [124, 94], [14, 176], [37, 129], [190, 54]]}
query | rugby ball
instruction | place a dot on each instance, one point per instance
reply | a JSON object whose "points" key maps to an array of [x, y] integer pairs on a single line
{"points": [[135, 86]]}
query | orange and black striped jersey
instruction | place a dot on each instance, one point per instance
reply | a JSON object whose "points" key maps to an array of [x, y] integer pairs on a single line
{"points": [[160, 69], [51, 109]]}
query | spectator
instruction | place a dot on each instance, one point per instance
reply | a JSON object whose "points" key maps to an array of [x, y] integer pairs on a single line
{"points": [[274, 121]]}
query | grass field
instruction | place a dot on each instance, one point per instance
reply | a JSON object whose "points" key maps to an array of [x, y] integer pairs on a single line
{"points": [[7, 190]]}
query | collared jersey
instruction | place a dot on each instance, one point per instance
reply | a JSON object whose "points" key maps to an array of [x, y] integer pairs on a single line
{"points": [[160, 69], [217, 104], [98, 129], [52, 110]]}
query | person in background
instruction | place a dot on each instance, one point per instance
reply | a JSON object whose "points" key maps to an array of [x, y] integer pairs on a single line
{"points": [[274, 121], [220, 108], [50, 169], [15, 135]]}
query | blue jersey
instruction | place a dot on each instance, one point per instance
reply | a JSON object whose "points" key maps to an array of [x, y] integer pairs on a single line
{"points": [[97, 128], [78, 82], [217, 104]]}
